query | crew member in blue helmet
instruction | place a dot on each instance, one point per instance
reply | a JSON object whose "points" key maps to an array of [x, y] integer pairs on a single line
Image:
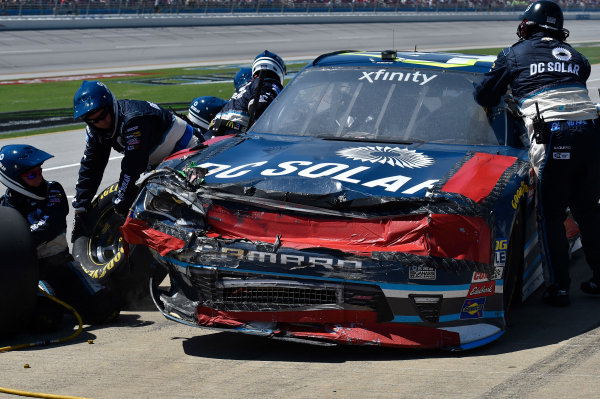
{"points": [[250, 100], [141, 130], [548, 81], [203, 110], [241, 77], [44, 205]]}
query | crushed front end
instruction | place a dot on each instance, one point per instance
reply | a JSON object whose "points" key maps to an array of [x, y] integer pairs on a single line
{"points": [[399, 272]]}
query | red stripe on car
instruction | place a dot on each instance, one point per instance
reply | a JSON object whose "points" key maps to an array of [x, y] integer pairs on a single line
{"points": [[443, 235], [479, 175]]}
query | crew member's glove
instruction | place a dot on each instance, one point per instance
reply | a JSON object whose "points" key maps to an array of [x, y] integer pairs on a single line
{"points": [[512, 107], [80, 224]]}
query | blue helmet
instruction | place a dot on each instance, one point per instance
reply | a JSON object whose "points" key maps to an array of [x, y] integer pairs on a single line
{"points": [[241, 77], [270, 61], [16, 159], [203, 110], [91, 96]]}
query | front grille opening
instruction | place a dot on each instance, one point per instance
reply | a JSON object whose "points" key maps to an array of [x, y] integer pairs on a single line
{"points": [[279, 295], [428, 306]]}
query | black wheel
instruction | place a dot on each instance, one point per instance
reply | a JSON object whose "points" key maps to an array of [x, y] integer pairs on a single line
{"points": [[513, 273], [19, 272], [101, 254]]}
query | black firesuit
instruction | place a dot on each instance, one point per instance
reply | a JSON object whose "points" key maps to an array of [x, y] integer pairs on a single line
{"points": [[58, 269], [234, 117], [549, 72], [145, 134]]}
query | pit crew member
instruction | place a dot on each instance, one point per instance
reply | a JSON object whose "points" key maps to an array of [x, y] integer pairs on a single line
{"points": [[44, 205], [548, 81], [141, 130], [250, 100]]}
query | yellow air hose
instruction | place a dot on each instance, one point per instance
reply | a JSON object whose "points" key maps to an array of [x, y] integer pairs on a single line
{"points": [[41, 343], [51, 341]]}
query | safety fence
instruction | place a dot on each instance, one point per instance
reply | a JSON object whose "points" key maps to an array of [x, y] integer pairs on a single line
{"points": [[128, 7]]}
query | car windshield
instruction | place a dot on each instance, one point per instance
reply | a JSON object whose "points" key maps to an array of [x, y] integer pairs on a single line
{"points": [[383, 104]]}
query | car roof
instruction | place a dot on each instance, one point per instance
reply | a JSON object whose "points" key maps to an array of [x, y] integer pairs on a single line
{"points": [[392, 59]]}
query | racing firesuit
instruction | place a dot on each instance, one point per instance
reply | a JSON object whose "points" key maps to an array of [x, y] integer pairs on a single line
{"points": [[145, 134], [234, 117], [550, 73], [58, 269]]}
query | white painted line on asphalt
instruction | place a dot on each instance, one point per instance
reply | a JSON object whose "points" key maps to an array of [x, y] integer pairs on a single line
{"points": [[77, 164], [33, 51], [264, 41], [150, 46]]}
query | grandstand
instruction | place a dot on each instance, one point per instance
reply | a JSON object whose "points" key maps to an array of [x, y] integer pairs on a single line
{"points": [[16, 8]]}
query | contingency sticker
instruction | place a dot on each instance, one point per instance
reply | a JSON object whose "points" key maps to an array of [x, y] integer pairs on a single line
{"points": [[421, 273], [472, 308]]}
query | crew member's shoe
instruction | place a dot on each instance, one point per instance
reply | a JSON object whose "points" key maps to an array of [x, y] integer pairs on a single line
{"points": [[591, 287], [555, 297]]}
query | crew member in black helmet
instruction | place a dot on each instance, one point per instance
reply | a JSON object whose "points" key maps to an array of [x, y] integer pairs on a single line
{"points": [[547, 78]]}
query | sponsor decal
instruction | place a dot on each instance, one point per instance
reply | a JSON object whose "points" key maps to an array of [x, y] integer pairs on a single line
{"points": [[123, 188], [561, 54], [422, 273], [561, 155], [479, 277], [38, 224], [482, 289], [153, 105], [394, 156], [523, 189], [563, 67], [233, 125], [281, 258], [382, 74], [498, 272], [576, 123], [500, 252], [336, 171], [472, 308]]}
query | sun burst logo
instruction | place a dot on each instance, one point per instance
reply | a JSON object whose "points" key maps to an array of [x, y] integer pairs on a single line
{"points": [[394, 156], [561, 54]]}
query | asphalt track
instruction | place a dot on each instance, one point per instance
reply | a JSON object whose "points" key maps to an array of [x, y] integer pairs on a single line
{"points": [[545, 353]]}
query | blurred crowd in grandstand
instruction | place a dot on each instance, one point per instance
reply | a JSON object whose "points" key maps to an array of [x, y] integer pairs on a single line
{"points": [[86, 7]]}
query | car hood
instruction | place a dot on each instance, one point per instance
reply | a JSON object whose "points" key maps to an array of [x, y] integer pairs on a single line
{"points": [[344, 170]]}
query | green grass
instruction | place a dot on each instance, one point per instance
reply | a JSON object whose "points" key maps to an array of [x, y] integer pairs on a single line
{"points": [[51, 95], [590, 50]]}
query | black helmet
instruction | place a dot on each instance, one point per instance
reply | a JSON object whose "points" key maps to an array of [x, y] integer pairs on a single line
{"points": [[543, 15]]}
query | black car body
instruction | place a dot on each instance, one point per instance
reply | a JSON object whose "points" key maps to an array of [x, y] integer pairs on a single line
{"points": [[374, 202]]}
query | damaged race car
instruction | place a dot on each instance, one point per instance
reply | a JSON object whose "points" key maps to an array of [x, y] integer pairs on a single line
{"points": [[373, 203]]}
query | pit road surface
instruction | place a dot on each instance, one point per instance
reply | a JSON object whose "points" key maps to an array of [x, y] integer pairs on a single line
{"points": [[545, 353]]}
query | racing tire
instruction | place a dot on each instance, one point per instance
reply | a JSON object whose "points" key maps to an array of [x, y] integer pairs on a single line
{"points": [[513, 278], [101, 255], [19, 273]]}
